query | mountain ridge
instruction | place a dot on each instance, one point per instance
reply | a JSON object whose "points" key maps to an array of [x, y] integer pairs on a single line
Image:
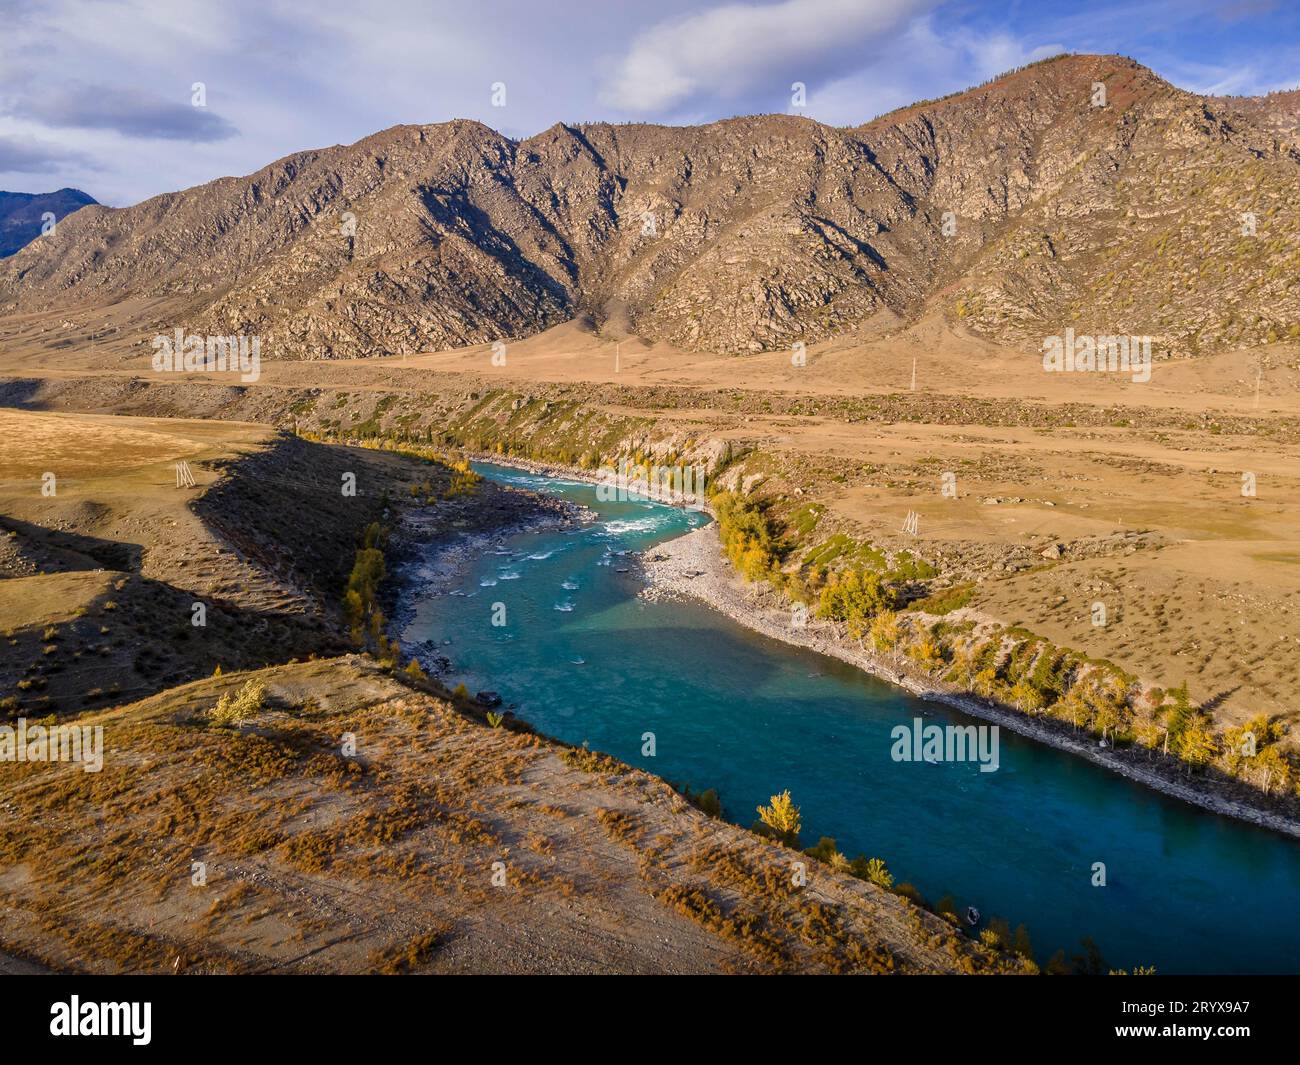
{"points": [[1018, 207]]}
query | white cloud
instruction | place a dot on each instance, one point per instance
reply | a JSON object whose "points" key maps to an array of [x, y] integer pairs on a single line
{"points": [[88, 87], [733, 51], [1001, 52], [1222, 79], [922, 63]]}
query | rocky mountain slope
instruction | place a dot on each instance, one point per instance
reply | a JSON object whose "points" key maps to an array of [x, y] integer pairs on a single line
{"points": [[1021, 207], [21, 214]]}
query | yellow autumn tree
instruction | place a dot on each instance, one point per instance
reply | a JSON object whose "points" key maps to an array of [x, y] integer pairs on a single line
{"points": [[926, 652], [1196, 746], [884, 631], [1272, 770], [1148, 733], [855, 597], [1025, 697], [782, 819]]}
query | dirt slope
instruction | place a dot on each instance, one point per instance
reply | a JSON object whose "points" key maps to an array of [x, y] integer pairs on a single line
{"points": [[320, 860]]}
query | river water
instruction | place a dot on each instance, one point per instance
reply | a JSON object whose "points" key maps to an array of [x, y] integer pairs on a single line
{"points": [[586, 659]]}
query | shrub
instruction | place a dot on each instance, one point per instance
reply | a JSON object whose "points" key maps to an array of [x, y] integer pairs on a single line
{"points": [[946, 908], [236, 709], [825, 850], [910, 892], [997, 934], [589, 761], [878, 874], [706, 800], [907, 568]]}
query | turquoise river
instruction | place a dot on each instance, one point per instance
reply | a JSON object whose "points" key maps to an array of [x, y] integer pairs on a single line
{"points": [[585, 658]]}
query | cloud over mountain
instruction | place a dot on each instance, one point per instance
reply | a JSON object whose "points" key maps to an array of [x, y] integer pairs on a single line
{"points": [[730, 51], [128, 112]]}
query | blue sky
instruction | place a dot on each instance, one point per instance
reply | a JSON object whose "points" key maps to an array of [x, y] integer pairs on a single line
{"points": [[98, 94]]}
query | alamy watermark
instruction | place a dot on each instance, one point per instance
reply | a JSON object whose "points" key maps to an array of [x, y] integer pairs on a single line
{"points": [[208, 354], [639, 482], [74, 1017], [919, 742], [1098, 354], [53, 743]]}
